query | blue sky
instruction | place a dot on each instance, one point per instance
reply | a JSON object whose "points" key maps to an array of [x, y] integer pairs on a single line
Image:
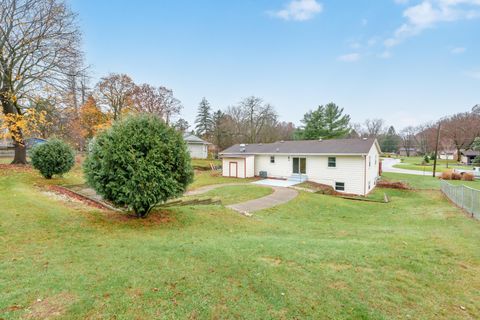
{"points": [[404, 61]]}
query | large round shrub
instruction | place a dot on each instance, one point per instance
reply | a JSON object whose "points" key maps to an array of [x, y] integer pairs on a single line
{"points": [[52, 157], [139, 162]]}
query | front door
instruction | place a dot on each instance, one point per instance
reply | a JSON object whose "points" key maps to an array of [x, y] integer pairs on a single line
{"points": [[299, 165], [233, 169]]}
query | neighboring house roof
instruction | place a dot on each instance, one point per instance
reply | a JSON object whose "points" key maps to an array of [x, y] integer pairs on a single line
{"points": [[470, 153], [190, 138], [334, 146]]}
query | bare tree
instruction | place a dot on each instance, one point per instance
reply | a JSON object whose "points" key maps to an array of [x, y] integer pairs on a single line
{"points": [[408, 140], [39, 46], [374, 127], [252, 117], [461, 129], [171, 105], [114, 93]]}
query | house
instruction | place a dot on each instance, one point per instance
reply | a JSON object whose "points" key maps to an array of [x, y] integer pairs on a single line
{"points": [[467, 156], [408, 152], [197, 147], [447, 155], [347, 165]]}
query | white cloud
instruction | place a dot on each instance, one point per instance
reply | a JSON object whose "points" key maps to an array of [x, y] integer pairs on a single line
{"points": [[474, 74], [350, 57], [428, 13], [299, 10], [458, 50], [385, 55]]}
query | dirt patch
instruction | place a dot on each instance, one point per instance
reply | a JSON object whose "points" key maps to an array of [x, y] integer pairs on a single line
{"points": [[76, 196], [155, 218], [393, 185], [51, 307], [272, 261]]}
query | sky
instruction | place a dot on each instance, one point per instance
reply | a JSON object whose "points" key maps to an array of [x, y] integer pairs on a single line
{"points": [[405, 61]]}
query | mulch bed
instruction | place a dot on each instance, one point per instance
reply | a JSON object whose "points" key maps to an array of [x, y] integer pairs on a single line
{"points": [[393, 185], [74, 195]]}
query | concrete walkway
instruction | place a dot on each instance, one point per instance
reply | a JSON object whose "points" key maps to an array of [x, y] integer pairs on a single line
{"points": [[279, 196], [388, 163]]}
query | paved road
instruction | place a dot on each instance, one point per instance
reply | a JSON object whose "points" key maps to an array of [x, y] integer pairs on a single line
{"points": [[279, 196], [388, 163]]}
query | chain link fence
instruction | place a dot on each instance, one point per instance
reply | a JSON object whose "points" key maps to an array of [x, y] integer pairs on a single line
{"points": [[465, 197]]}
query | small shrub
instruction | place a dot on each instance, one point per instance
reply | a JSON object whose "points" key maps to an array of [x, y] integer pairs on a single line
{"points": [[456, 176], [52, 157], [137, 163], [476, 161], [467, 176], [426, 159], [447, 175]]}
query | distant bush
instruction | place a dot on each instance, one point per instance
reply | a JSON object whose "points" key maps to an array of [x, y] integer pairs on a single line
{"points": [[426, 159], [467, 176], [137, 163], [52, 157], [447, 175], [476, 161], [456, 176]]}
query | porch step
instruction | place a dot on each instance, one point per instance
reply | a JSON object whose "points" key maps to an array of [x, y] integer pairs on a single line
{"points": [[298, 177]]}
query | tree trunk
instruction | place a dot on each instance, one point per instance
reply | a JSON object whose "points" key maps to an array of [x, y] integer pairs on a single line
{"points": [[20, 154]]}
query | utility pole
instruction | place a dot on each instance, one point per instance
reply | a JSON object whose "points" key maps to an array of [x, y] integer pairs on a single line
{"points": [[436, 149]]}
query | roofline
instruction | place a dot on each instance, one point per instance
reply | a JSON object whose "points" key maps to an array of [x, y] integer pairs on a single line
{"points": [[294, 154]]}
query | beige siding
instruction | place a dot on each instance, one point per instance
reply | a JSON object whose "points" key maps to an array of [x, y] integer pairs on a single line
{"points": [[282, 168], [198, 151], [373, 166], [238, 167], [349, 170]]}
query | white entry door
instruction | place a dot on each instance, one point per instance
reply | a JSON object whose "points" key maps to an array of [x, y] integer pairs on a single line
{"points": [[233, 169]]}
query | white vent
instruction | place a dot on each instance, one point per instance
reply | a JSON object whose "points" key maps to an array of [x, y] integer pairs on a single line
{"points": [[365, 139], [278, 149], [242, 145]]}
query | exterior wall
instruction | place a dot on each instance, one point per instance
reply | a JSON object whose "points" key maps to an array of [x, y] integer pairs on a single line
{"points": [[372, 162], [197, 150], [349, 170], [244, 167]]}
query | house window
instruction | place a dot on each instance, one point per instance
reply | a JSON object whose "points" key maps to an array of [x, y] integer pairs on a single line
{"points": [[369, 161], [375, 159], [332, 162], [272, 159], [340, 186], [369, 185]]}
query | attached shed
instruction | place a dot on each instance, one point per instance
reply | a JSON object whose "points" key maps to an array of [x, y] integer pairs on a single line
{"points": [[238, 166]]}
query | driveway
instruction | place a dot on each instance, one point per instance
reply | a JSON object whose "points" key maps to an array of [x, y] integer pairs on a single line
{"points": [[276, 183], [388, 163]]}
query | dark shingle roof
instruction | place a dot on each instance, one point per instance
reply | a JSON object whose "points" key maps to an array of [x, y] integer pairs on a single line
{"points": [[470, 153], [334, 146]]}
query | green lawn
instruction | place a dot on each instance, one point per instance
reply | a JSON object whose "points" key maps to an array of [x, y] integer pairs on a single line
{"points": [[415, 163], [425, 182], [317, 257], [204, 164]]}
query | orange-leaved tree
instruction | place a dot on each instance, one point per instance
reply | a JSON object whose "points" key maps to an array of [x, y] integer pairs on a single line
{"points": [[92, 119]]}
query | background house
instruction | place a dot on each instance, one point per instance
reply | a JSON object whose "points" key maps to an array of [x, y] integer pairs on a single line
{"points": [[197, 147], [467, 156], [347, 165], [408, 152]]}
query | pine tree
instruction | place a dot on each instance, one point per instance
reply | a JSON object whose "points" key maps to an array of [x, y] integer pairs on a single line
{"points": [[327, 122], [203, 121], [389, 143]]}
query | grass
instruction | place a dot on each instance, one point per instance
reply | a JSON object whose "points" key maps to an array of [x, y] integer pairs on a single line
{"points": [[426, 182], [204, 164], [317, 257], [236, 194], [205, 178], [415, 163]]}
